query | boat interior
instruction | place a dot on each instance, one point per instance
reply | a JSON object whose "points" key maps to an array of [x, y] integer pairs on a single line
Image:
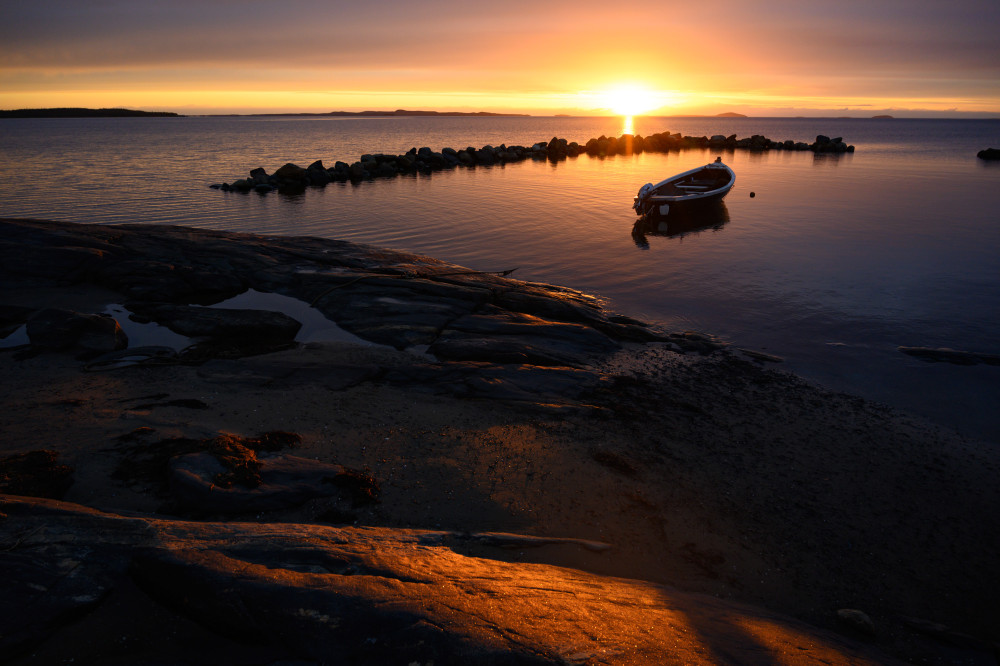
{"points": [[705, 180]]}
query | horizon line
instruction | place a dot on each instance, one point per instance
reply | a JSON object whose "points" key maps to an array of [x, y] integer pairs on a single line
{"points": [[729, 115]]}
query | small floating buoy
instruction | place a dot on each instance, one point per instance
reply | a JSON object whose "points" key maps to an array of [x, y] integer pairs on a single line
{"points": [[753, 194]]}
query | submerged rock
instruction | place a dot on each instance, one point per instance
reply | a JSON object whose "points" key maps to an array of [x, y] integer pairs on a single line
{"points": [[946, 355]]}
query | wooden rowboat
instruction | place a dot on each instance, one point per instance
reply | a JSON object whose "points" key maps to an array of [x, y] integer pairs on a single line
{"points": [[697, 187]]}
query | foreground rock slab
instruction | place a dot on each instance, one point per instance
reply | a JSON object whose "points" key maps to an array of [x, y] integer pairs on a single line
{"points": [[392, 298], [365, 595], [703, 471]]}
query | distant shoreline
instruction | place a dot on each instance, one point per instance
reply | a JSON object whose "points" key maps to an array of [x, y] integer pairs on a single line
{"points": [[75, 112], [383, 114], [86, 113], [405, 113]]}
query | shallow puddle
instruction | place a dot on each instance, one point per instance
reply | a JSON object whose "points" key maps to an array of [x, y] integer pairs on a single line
{"points": [[315, 326]]}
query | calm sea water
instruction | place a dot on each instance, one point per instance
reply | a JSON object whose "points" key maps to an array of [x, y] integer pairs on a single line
{"points": [[835, 261]]}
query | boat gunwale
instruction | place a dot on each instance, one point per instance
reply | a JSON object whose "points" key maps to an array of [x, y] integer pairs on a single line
{"points": [[653, 198]]}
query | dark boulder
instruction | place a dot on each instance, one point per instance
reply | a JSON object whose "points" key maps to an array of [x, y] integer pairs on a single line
{"points": [[317, 174], [989, 154], [66, 330], [404, 162], [557, 148], [384, 170], [291, 172], [358, 172]]}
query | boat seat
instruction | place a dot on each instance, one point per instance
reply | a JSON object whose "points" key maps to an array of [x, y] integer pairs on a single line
{"points": [[693, 187]]}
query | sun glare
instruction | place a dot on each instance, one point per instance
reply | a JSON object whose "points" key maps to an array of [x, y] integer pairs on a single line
{"points": [[631, 100]]}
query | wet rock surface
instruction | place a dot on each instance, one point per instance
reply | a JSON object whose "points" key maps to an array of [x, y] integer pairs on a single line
{"points": [[354, 596], [475, 325]]}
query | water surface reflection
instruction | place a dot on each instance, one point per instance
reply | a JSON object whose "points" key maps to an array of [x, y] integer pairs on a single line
{"points": [[679, 223]]}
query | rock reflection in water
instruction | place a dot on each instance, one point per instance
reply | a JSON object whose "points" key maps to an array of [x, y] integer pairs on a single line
{"points": [[680, 223]]}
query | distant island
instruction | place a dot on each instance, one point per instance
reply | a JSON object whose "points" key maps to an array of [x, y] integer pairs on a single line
{"points": [[728, 114], [397, 112], [882, 118], [85, 113]]}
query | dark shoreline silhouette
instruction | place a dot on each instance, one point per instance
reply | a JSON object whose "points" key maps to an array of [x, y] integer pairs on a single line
{"points": [[383, 114], [73, 112]]}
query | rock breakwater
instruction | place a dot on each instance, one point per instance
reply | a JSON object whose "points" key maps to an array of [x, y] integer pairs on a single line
{"points": [[292, 178]]}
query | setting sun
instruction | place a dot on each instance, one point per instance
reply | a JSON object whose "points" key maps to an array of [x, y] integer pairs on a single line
{"points": [[631, 100]]}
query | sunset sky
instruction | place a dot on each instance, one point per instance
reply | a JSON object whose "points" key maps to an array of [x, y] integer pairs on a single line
{"points": [[771, 57]]}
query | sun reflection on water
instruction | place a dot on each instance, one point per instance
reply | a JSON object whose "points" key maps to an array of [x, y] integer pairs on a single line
{"points": [[629, 126]]}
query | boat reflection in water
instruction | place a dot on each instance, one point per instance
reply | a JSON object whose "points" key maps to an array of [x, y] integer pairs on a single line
{"points": [[679, 223]]}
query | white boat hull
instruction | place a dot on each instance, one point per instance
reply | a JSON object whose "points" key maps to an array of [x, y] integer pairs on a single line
{"points": [[704, 185]]}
